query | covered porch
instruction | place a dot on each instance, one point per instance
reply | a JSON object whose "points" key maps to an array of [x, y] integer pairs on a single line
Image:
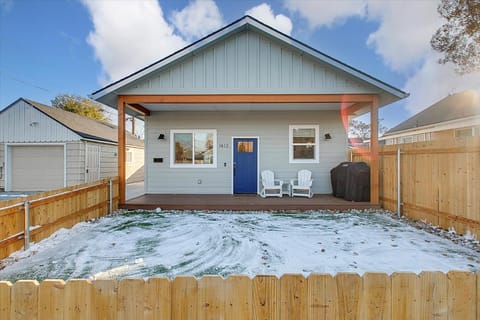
{"points": [[235, 202]]}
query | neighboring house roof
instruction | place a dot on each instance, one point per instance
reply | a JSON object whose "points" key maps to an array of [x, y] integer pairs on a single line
{"points": [[454, 107], [104, 94], [85, 127]]}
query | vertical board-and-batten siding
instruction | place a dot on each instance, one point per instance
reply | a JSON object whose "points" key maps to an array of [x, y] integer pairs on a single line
{"points": [[2, 166], [22, 123], [272, 129], [248, 62]]}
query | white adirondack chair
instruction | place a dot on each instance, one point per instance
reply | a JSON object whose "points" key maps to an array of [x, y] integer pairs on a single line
{"points": [[302, 186], [271, 187]]}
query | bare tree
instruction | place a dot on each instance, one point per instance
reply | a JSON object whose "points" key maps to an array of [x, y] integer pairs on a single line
{"points": [[459, 38]]}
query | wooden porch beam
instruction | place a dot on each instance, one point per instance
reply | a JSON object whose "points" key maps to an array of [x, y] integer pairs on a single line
{"points": [[354, 108], [121, 150], [139, 108], [374, 158], [248, 98]]}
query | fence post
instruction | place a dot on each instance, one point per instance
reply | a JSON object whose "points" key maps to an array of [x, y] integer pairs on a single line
{"points": [[399, 200], [26, 230], [110, 191]]}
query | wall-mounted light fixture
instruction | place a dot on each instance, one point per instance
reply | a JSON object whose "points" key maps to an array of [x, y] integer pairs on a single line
{"points": [[328, 136], [161, 136], [33, 124]]}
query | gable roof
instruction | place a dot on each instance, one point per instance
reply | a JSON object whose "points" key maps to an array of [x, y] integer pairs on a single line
{"points": [[83, 126], [246, 22], [453, 107]]}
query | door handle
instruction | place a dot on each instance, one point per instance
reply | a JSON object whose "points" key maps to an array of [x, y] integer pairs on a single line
{"points": [[234, 168]]}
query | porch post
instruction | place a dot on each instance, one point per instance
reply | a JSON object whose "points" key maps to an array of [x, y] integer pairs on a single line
{"points": [[121, 150], [374, 160]]}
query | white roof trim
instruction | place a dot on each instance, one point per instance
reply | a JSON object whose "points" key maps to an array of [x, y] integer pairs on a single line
{"points": [[434, 127], [247, 20]]}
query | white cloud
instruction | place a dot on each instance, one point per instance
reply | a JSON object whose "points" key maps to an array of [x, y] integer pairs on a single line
{"points": [[129, 35], [264, 13], [327, 12], [434, 82], [403, 37], [198, 19]]}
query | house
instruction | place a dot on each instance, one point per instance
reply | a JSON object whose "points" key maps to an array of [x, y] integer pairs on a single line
{"points": [[44, 148], [241, 100], [457, 115]]}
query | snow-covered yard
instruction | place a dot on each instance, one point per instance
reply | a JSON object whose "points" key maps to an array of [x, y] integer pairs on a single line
{"points": [[145, 244]]}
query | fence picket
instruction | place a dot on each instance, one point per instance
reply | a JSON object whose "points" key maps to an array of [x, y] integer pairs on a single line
{"points": [[462, 295], [51, 300], [184, 298], [24, 300], [376, 303], [104, 293], [131, 301], [211, 298], [405, 295], [322, 297], [293, 297], [433, 303], [349, 287], [266, 294], [158, 299], [238, 298], [5, 299], [78, 300]]}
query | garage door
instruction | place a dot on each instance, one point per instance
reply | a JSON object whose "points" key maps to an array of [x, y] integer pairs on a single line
{"points": [[37, 168]]}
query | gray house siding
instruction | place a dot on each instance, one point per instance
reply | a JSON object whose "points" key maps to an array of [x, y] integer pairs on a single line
{"points": [[22, 123], [2, 166], [108, 161], [272, 129], [248, 62]]}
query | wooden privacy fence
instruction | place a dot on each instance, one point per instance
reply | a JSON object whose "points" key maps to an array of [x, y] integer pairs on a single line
{"points": [[406, 296], [440, 182], [36, 217]]}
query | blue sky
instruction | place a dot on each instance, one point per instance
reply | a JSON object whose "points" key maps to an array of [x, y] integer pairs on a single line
{"points": [[78, 46]]}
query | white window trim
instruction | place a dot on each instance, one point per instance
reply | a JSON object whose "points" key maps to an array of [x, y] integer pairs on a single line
{"points": [[317, 143], [193, 165]]}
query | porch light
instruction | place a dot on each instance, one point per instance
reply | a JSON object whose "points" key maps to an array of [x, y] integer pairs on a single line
{"points": [[328, 136], [161, 136]]}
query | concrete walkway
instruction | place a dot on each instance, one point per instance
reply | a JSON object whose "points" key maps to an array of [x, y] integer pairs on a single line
{"points": [[135, 189]]}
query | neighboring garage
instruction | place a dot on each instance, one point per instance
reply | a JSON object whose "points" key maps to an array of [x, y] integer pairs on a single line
{"points": [[44, 148], [37, 167]]}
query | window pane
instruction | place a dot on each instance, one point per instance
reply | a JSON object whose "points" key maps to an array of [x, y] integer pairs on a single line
{"points": [[203, 148], [245, 146], [304, 152], [183, 148], [304, 135]]}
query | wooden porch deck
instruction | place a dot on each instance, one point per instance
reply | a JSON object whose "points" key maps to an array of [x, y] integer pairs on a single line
{"points": [[250, 202]]}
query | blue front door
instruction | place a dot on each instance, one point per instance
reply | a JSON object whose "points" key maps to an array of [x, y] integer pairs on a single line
{"points": [[245, 165]]}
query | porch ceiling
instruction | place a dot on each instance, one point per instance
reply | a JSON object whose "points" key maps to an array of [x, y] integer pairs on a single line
{"points": [[246, 106]]}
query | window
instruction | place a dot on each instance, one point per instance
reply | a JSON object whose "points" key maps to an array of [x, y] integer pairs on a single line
{"points": [[193, 148], [304, 142]]}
